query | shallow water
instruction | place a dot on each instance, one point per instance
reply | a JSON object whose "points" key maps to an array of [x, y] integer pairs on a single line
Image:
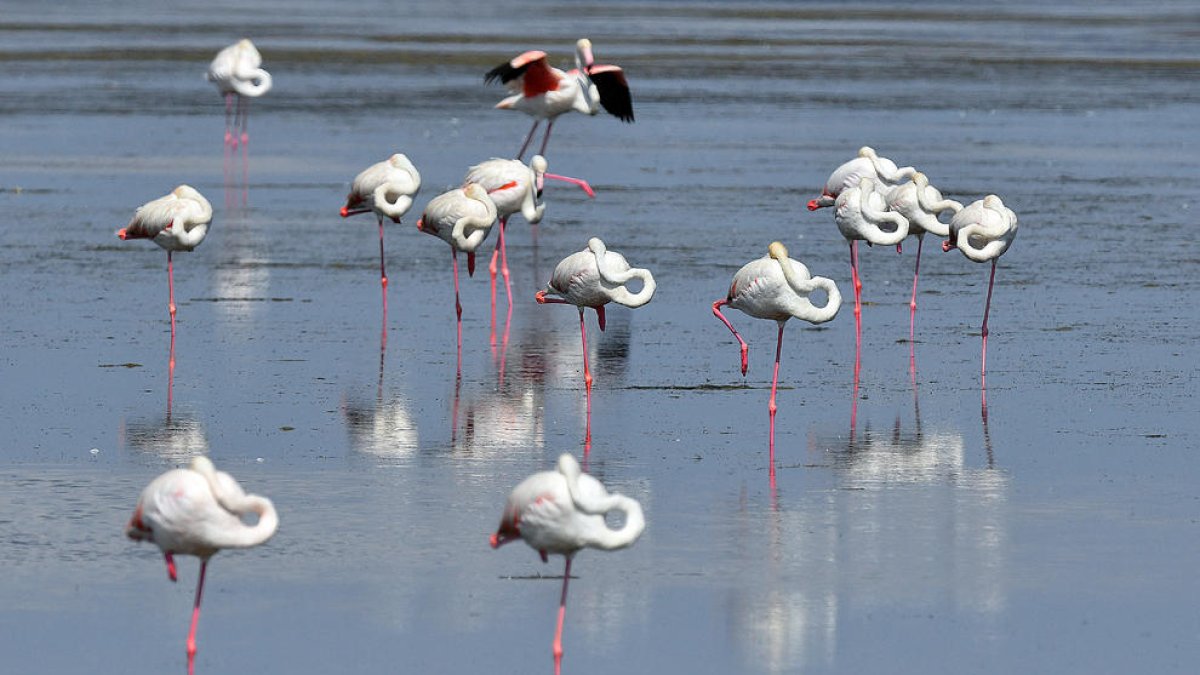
{"points": [[1059, 534]]}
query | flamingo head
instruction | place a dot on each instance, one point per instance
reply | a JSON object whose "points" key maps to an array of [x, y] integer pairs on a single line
{"points": [[508, 531], [583, 55]]}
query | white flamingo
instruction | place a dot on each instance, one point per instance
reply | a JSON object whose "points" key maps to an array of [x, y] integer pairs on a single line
{"points": [[237, 72], [868, 164], [920, 203], [387, 188], [861, 214]]}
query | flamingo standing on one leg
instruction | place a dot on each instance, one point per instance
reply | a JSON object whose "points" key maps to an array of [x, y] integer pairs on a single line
{"points": [[561, 512], [593, 278], [777, 287], [176, 222], [868, 164], [983, 231], [237, 72], [861, 214], [387, 188], [920, 203], [544, 92], [515, 188], [198, 511], [462, 217]]}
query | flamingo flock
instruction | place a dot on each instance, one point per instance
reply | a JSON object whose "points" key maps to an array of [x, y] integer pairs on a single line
{"points": [[199, 510]]}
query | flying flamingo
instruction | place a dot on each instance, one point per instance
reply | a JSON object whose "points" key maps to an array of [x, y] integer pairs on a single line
{"points": [[198, 511], [920, 203], [515, 188], [867, 164], [861, 214], [462, 217], [544, 92], [561, 512], [592, 278], [777, 287], [983, 231], [237, 72], [387, 188], [176, 222]]}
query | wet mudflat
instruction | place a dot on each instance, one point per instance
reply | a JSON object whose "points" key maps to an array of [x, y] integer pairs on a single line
{"points": [[1059, 534]]}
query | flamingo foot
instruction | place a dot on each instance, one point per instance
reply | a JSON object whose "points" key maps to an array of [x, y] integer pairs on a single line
{"points": [[745, 359]]}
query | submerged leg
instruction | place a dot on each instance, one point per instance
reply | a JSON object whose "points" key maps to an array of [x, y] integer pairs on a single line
{"points": [[556, 648], [528, 138], [745, 347], [774, 384], [191, 641]]}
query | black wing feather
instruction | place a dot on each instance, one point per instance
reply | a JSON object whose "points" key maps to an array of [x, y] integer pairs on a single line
{"points": [[614, 94], [504, 72]]}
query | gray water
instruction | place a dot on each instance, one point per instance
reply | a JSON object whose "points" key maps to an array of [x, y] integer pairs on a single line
{"points": [[1058, 534]]}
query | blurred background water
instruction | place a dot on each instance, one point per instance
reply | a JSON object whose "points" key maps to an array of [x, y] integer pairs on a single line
{"points": [[1059, 534]]}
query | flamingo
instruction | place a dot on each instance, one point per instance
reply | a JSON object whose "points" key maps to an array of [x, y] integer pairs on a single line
{"points": [[462, 217], [861, 214], [868, 164], [563, 511], [920, 203], [544, 92], [237, 72], [515, 188], [983, 231], [777, 287], [176, 222], [198, 511], [387, 188], [592, 278]]}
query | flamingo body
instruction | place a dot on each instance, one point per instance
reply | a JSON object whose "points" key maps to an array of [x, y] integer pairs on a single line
{"points": [[861, 213], [237, 69], [461, 217], [386, 187], [596, 276], [176, 222], [868, 164], [512, 185], [920, 204], [983, 230]]}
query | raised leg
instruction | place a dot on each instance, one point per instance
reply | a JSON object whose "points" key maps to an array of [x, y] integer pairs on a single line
{"points": [[771, 408], [556, 648], [546, 137], [986, 309], [528, 139], [191, 641], [171, 290], [382, 268], [170, 566], [745, 347], [912, 304], [457, 306], [583, 184]]}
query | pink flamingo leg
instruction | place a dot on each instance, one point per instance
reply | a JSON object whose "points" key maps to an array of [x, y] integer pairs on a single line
{"points": [[528, 139], [556, 648], [382, 269], [170, 378], [171, 287], [583, 184], [191, 641], [245, 133], [857, 281], [245, 121], [170, 566], [771, 408], [912, 304], [546, 138], [587, 373], [716, 308], [229, 118], [457, 306], [986, 309]]}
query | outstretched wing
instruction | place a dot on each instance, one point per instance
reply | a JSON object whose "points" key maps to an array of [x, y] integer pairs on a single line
{"points": [[614, 91]]}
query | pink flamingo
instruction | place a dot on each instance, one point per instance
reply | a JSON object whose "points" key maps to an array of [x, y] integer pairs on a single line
{"points": [[777, 287], [387, 188], [983, 231], [920, 204], [198, 511], [868, 164], [462, 218], [237, 72], [563, 511], [593, 278], [544, 92], [176, 222], [515, 188]]}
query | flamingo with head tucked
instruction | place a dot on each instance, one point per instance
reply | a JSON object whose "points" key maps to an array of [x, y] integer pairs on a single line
{"points": [[237, 72], [983, 231], [198, 511], [593, 278], [777, 287], [563, 511], [462, 218], [544, 92], [176, 222], [515, 188], [868, 164], [861, 214], [920, 204], [387, 188]]}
